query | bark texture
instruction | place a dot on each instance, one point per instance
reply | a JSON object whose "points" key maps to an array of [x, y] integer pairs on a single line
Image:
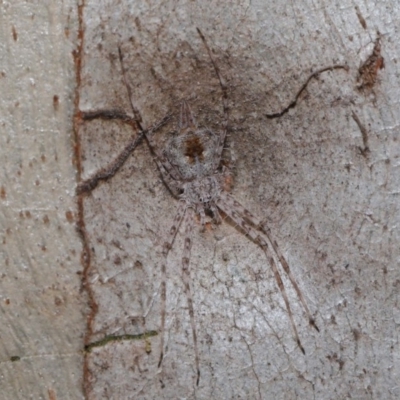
{"points": [[314, 148]]}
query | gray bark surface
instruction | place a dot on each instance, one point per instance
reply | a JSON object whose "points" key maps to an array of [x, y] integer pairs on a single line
{"points": [[323, 176], [43, 310]]}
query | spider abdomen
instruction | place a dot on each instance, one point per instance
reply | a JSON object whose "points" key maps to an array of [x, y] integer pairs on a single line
{"points": [[202, 190]]}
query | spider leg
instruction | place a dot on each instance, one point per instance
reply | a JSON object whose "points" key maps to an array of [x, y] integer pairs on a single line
{"points": [[171, 183], [135, 111], [285, 266], [222, 137], [216, 214], [165, 251], [163, 164], [111, 169], [186, 119], [258, 225], [186, 282], [159, 156], [229, 209], [200, 211]]}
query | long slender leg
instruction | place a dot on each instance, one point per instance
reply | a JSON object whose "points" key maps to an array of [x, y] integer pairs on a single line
{"points": [[135, 111], [186, 119], [172, 184], [200, 211], [222, 137], [216, 214], [286, 268], [166, 248], [186, 282], [111, 169], [162, 162], [234, 204], [159, 156], [234, 214]]}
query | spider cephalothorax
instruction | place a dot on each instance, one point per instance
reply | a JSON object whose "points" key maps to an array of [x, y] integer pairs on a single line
{"points": [[192, 151]]}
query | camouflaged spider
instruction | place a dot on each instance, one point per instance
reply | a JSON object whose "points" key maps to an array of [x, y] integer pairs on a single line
{"points": [[191, 168]]}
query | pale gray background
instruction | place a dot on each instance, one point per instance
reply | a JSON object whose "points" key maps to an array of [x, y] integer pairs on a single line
{"points": [[333, 210], [42, 307]]}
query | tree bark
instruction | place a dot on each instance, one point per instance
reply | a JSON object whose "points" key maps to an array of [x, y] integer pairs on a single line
{"points": [[313, 146], [43, 309]]}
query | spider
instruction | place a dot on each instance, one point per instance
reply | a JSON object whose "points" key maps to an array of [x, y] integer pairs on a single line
{"points": [[192, 169]]}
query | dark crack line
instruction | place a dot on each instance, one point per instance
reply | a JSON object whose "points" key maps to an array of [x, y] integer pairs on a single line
{"points": [[253, 368], [303, 87], [364, 133], [118, 338]]}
